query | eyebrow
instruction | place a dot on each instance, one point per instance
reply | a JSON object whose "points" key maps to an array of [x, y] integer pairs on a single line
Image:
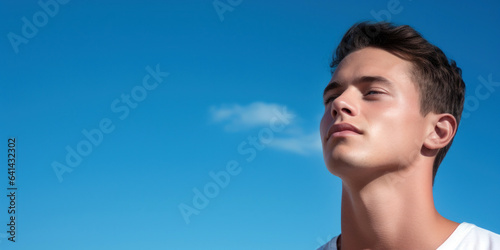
{"points": [[362, 79], [330, 86]]}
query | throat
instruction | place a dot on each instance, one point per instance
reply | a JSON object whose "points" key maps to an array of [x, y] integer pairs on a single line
{"points": [[388, 217]]}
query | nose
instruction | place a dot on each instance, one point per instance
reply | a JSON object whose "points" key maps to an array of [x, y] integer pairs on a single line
{"points": [[343, 105]]}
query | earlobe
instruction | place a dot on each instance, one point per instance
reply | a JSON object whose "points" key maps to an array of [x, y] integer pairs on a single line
{"points": [[445, 126]]}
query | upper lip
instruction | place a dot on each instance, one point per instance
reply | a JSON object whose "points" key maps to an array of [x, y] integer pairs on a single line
{"points": [[341, 127]]}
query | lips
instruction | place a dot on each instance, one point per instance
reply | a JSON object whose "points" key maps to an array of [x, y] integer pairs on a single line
{"points": [[342, 129]]}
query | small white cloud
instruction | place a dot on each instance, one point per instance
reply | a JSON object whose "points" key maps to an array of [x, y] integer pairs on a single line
{"points": [[259, 114], [299, 143], [238, 117]]}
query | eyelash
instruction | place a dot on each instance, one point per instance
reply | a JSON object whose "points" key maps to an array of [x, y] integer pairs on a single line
{"points": [[374, 91], [329, 99], [371, 92]]}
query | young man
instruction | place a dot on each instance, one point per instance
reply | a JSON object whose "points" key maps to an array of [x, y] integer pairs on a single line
{"points": [[392, 109]]}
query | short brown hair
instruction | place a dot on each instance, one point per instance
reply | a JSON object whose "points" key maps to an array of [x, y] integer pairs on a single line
{"points": [[438, 79]]}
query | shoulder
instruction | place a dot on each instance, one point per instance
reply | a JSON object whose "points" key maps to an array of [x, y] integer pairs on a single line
{"points": [[330, 245], [469, 236]]}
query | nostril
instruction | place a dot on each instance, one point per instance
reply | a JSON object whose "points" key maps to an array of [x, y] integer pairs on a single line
{"points": [[346, 110]]}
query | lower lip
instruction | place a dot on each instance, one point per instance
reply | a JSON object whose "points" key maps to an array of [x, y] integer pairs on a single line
{"points": [[344, 133]]}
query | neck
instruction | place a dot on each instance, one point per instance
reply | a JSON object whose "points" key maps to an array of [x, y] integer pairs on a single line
{"points": [[393, 211]]}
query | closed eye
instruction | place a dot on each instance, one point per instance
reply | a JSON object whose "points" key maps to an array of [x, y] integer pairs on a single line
{"points": [[329, 99], [373, 92]]}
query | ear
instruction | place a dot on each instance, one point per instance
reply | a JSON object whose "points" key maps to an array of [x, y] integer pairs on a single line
{"points": [[442, 130]]}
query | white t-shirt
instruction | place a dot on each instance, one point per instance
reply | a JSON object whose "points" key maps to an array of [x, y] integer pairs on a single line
{"points": [[466, 236]]}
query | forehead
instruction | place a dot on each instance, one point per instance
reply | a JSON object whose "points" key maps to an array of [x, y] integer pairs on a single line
{"points": [[373, 62]]}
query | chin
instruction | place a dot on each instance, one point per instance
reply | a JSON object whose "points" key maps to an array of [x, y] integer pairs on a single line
{"points": [[341, 154], [340, 164], [340, 161]]}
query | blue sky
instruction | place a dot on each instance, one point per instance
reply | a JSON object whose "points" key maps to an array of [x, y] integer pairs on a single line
{"points": [[173, 93]]}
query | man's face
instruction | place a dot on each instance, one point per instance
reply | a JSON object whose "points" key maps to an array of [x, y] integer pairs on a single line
{"points": [[372, 116]]}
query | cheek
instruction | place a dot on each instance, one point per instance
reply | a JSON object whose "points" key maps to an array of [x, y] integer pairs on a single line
{"points": [[398, 129], [323, 125], [388, 126]]}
